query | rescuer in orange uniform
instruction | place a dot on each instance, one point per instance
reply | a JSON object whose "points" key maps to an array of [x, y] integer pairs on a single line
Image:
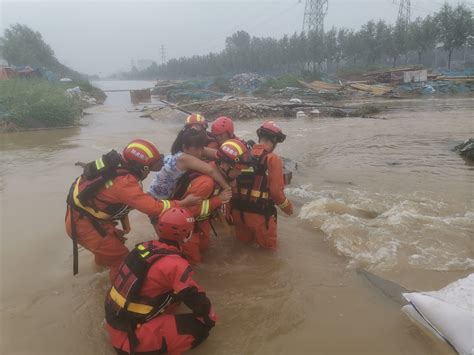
{"points": [[259, 189], [232, 157], [222, 129], [152, 281], [196, 121], [104, 194]]}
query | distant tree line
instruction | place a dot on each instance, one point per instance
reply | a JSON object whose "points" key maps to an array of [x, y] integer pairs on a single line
{"points": [[374, 44], [21, 46]]}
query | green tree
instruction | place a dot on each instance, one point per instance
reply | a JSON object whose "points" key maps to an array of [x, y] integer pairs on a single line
{"points": [[238, 41], [316, 48], [21, 45], [423, 34], [341, 43], [369, 42], [353, 47], [330, 47], [397, 40], [455, 27]]}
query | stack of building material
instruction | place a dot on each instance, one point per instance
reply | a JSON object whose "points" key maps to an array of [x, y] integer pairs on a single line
{"points": [[377, 90], [321, 86]]}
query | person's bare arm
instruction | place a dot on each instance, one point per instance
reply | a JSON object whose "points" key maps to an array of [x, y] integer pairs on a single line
{"points": [[188, 162]]}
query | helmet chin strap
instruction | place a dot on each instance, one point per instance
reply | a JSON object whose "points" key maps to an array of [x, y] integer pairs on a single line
{"points": [[226, 172], [143, 171], [274, 142], [185, 240]]}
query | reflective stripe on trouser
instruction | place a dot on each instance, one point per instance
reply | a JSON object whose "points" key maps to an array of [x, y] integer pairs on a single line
{"points": [[108, 250], [254, 229], [175, 333]]}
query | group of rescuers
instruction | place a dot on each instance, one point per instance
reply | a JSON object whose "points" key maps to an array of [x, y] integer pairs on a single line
{"points": [[206, 173]]}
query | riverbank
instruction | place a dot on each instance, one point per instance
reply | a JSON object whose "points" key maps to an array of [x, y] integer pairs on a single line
{"points": [[27, 104]]}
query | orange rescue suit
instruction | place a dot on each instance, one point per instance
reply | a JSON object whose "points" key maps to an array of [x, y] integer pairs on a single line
{"points": [[254, 197], [201, 186], [109, 249]]}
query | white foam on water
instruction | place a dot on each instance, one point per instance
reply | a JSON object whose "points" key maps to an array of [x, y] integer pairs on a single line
{"points": [[385, 231], [301, 191]]}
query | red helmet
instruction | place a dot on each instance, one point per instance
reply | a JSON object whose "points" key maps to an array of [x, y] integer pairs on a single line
{"points": [[223, 124], [195, 118], [272, 130], [235, 153], [144, 153], [175, 224]]}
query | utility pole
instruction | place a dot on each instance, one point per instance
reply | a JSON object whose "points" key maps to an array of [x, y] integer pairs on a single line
{"points": [[404, 12], [314, 13], [163, 54]]}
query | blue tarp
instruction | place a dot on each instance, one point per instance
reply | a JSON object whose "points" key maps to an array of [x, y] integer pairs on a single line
{"points": [[451, 72]]}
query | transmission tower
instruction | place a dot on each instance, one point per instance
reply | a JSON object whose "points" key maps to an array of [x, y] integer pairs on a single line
{"points": [[163, 54], [404, 11], [314, 13]]}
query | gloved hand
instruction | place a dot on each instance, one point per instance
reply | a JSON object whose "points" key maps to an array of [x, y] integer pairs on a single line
{"points": [[210, 319], [225, 209], [288, 209], [209, 322]]}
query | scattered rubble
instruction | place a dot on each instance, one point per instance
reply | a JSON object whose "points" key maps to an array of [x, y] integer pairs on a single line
{"points": [[466, 149], [85, 99], [306, 99]]}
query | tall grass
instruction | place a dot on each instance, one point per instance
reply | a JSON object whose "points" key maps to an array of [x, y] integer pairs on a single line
{"points": [[36, 103]]}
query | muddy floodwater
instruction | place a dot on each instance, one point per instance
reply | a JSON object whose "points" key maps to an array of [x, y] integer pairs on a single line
{"points": [[385, 195]]}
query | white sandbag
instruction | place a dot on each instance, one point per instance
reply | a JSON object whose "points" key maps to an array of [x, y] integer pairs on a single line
{"points": [[448, 313]]}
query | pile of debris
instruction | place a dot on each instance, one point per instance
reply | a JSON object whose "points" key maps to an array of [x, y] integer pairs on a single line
{"points": [[466, 149], [416, 73], [309, 99], [246, 82], [85, 100], [241, 108], [237, 109], [186, 91], [398, 83]]}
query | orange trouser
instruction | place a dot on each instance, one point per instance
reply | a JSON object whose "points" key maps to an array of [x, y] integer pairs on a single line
{"points": [[172, 334], [108, 250], [253, 229], [198, 244]]}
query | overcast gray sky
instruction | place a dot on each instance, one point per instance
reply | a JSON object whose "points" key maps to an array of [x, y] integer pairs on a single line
{"points": [[101, 37]]}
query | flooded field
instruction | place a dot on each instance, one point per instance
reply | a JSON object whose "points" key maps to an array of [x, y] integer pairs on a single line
{"points": [[384, 195]]}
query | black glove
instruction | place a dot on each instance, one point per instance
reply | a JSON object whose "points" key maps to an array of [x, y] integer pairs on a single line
{"points": [[250, 143]]}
